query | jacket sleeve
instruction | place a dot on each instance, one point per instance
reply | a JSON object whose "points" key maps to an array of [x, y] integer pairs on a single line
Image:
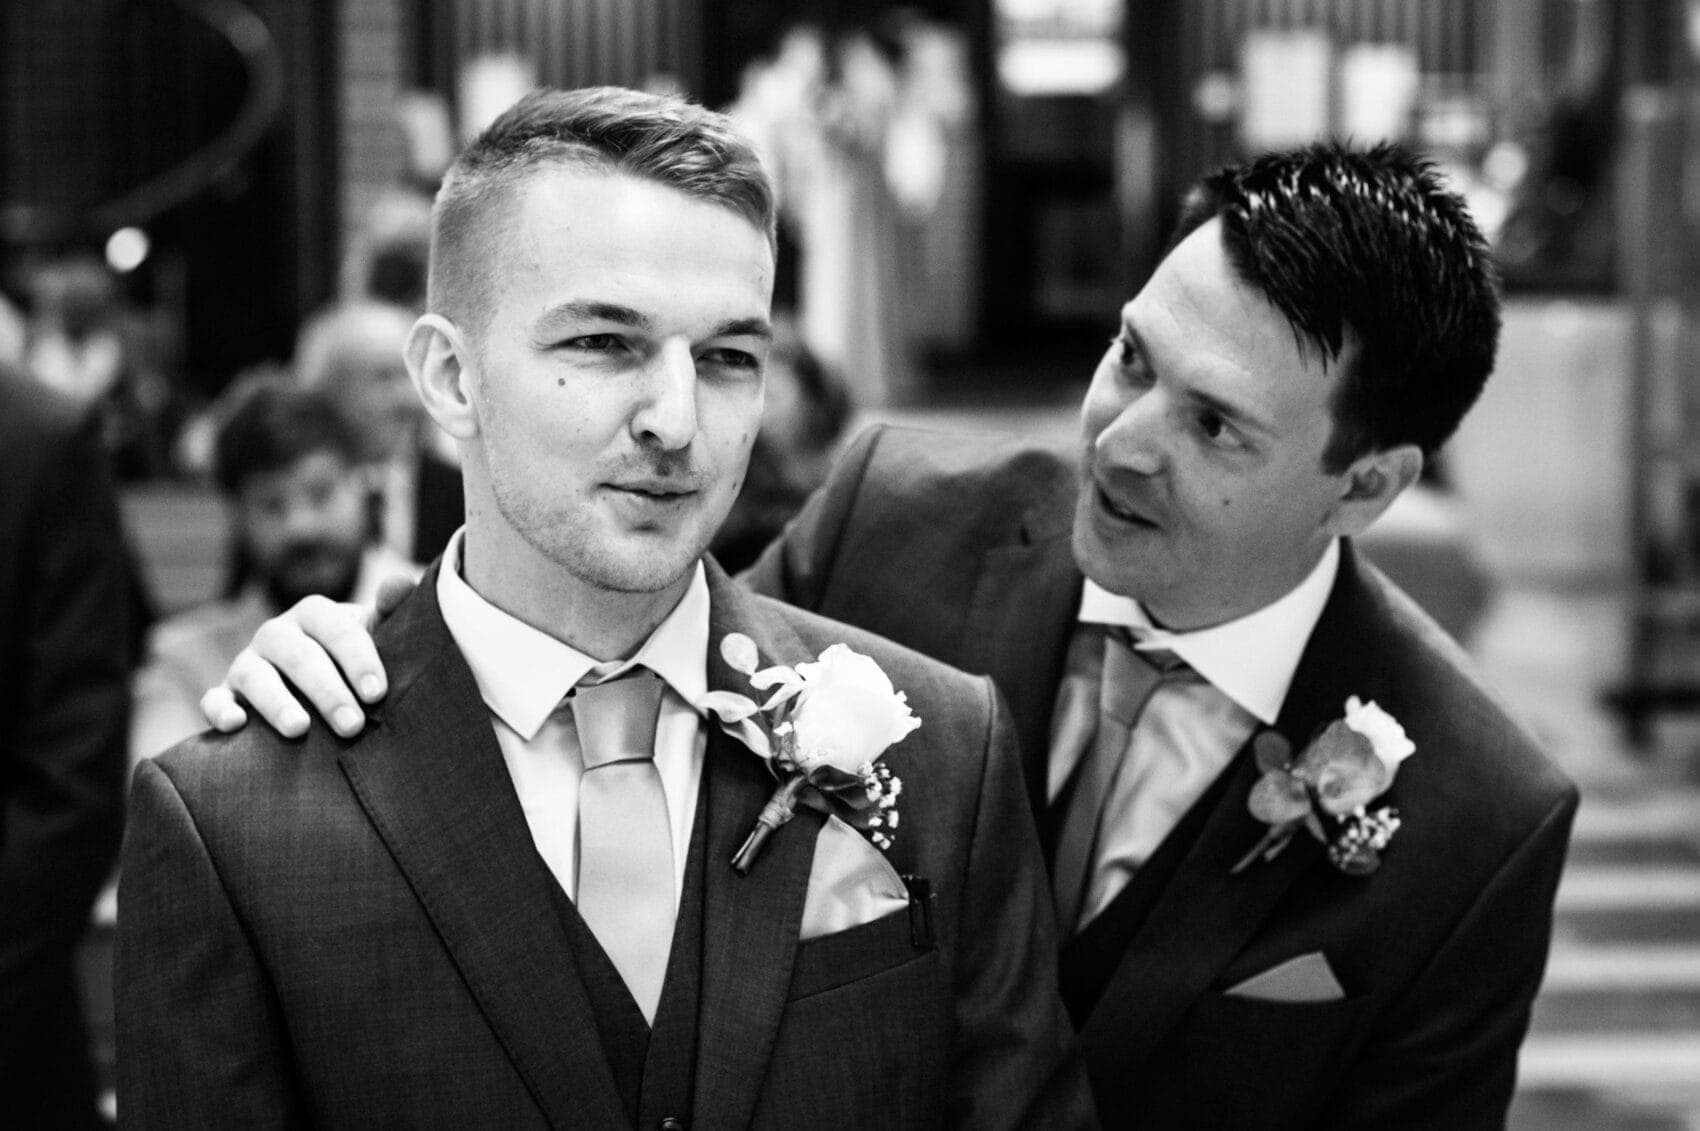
{"points": [[1446, 1056], [201, 1039], [62, 751], [796, 566], [1015, 1057]]}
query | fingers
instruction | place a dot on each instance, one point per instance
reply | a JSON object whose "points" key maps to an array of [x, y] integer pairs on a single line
{"points": [[258, 682], [289, 647], [221, 710], [344, 631]]}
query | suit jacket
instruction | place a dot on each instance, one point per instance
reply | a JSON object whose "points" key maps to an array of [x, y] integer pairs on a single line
{"points": [[961, 548], [357, 932], [64, 675]]}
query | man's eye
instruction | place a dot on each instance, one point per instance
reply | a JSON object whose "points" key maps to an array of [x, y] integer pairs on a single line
{"points": [[1214, 427], [1122, 350], [732, 359], [595, 343]]}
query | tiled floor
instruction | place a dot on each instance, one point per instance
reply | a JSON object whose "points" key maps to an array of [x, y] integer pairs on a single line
{"points": [[1616, 1036]]}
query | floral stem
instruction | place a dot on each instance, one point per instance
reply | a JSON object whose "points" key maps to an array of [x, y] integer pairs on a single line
{"points": [[778, 810], [1267, 849]]}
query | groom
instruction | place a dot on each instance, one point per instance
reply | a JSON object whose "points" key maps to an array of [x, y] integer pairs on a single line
{"points": [[510, 902], [1321, 322]]}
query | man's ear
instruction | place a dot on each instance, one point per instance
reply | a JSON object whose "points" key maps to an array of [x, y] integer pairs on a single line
{"points": [[441, 366], [1371, 484]]}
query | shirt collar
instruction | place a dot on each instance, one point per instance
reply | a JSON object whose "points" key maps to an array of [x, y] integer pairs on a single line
{"points": [[1250, 660], [522, 672]]}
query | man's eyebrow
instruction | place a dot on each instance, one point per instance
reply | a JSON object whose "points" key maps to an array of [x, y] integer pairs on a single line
{"points": [[1239, 414], [593, 310], [745, 327]]}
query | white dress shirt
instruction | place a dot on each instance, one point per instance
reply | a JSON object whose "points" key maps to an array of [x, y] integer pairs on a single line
{"points": [[522, 675], [1190, 729]]}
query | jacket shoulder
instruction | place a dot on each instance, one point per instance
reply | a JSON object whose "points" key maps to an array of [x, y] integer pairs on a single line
{"points": [[1480, 755], [934, 469], [247, 779]]}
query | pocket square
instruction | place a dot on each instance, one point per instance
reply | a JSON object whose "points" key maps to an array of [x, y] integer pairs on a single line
{"points": [[850, 883], [1305, 978]]}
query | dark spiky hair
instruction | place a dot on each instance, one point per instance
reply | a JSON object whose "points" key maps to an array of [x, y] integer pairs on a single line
{"points": [[1365, 248]]}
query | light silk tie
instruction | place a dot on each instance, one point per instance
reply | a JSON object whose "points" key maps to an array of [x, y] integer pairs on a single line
{"points": [[625, 858], [1129, 679]]}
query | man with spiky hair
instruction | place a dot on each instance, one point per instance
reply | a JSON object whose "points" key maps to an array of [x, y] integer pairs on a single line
{"points": [[1303, 860]]}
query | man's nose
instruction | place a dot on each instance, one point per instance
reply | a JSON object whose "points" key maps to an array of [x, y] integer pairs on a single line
{"points": [[667, 413], [1137, 437]]}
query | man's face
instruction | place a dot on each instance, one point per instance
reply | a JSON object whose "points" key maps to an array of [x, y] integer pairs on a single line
{"points": [[383, 401], [1202, 492], [305, 526], [617, 382]]}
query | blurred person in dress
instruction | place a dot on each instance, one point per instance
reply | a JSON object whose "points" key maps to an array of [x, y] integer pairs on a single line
{"points": [[353, 351], [84, 340], [289, 467], [820, 113]]}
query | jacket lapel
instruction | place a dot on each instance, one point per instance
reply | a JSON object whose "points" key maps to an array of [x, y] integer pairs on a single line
{"points": [[1025, 605], [1205, 916], [751, 923], [431, 778]]}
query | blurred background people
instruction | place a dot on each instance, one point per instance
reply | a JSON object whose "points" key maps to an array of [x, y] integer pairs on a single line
{"points": [[804, 418], [83, 340], [289, 466], [64, 703], [353, 353]]}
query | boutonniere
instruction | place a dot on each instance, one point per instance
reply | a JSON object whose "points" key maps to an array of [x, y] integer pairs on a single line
{"points": [[822, 732], [1327, 789]]}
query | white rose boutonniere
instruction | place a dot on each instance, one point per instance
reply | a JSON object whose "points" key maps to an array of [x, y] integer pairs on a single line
{"points": [[1327, 789], [822, 731]]}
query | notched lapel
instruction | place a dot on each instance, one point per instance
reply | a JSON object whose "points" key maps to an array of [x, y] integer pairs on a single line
{"points": [[1017, 631], [432, 780], [751, 923]]}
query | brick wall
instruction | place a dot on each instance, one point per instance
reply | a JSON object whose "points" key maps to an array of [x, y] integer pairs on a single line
{"points": [[372, 68]]}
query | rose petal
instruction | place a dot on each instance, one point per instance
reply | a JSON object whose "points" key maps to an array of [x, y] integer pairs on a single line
{"points": [[1387, 738]]}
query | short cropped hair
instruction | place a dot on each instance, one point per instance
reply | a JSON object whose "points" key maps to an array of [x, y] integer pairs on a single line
{"points": [[659, 138], [1365, 244], [270, 425]]}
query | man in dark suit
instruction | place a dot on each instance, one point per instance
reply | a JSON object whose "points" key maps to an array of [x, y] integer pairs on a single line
{"points": [[1320, 324], [64, 709], [513, 902]]}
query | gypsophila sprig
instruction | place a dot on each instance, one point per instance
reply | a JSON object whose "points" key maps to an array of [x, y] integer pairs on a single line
{"points": [[1327, 789], [822, 731]]}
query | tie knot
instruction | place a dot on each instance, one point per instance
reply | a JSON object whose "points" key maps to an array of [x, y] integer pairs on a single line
{"points": [[1131, 675], [616, 719], [1162, 659]]}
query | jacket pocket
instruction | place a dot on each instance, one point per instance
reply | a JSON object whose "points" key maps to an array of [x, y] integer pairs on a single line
{"points": [[834, 960]]}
